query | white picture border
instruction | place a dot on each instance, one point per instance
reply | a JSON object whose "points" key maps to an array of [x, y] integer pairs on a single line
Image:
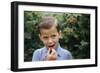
{"points": [[38, 64]]}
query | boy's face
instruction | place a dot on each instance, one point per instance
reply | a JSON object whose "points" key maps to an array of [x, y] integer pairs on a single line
{"points": [[50, 37]]}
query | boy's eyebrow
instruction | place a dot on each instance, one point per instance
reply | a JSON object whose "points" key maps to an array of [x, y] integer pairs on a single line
{"points": [[45, 36]]}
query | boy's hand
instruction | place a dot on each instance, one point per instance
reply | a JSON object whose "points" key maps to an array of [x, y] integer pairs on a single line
{"points": [[52, 54]]}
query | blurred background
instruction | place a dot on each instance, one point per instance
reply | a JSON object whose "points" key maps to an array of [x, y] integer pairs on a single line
{"points": [[75, 28]]}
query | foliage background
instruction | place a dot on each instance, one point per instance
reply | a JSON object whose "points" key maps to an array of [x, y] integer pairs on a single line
{"points": [[75, 29]]}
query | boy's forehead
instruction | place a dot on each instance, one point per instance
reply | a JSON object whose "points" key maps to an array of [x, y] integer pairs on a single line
{"points": [[49, 31]]}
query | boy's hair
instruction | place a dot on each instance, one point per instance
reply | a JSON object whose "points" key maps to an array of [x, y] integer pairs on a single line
{"points": [[47, 23]]}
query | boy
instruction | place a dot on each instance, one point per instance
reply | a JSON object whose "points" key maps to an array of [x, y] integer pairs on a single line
{"points": [[50, 34]]}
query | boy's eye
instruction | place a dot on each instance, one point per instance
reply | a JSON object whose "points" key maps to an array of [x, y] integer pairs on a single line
{"points": [[53, 36], [45, 37]]}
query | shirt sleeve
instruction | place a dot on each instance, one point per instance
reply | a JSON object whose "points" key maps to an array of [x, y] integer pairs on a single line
{"points": [[36, 56]]}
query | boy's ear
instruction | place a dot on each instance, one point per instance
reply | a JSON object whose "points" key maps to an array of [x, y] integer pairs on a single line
{"points": [[40, 36], [60, 34]]}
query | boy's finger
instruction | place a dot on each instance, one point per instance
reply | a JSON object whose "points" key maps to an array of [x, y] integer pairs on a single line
{"points": [[49, 49], [53, 51]]}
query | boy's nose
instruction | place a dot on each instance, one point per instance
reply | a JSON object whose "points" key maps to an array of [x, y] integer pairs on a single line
{"points": [[49, 40]]}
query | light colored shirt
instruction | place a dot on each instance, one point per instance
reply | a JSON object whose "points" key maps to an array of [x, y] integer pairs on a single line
{"points": [[40, 54]]}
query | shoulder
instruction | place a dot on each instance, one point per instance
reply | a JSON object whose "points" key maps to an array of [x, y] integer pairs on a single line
{"points": [[39, 50], [37, 55], [65, 51]]}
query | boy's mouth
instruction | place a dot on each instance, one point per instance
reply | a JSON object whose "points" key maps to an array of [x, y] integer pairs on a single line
{"points": [[51, 46]]}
